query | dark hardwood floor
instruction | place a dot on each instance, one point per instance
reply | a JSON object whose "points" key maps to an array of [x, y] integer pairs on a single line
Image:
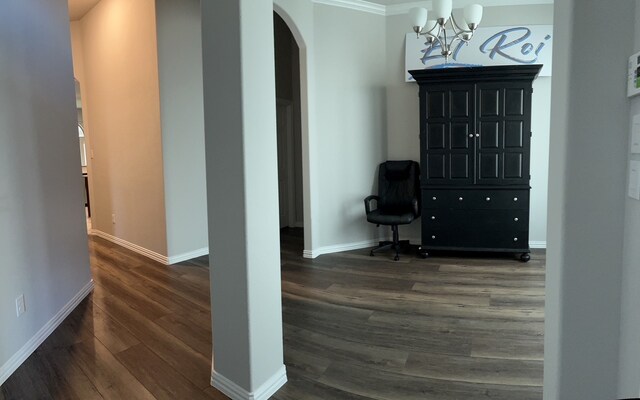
{"points": [[355, 327]]}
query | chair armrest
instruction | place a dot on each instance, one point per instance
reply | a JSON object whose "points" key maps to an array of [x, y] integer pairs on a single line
{"points": [[367, 202]]}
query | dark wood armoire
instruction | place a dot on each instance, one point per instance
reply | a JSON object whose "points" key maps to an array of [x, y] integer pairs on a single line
{"points": [[475, 136]]}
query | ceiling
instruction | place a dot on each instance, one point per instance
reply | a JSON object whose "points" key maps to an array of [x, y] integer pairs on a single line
{"points": [[460, 3], [78, 8]]}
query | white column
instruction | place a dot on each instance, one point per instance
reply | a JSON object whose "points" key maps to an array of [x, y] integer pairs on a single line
{"points": [[242, 191]]}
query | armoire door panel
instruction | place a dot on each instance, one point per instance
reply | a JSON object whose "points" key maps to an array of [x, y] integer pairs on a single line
{"points": [[513, 166], [514, 102], [436, 104], [489, 135], [488, 166], [459, 166], [513, 134], [436, 137], [459, 135], [459, 103], [489, 102], [436, 164]]}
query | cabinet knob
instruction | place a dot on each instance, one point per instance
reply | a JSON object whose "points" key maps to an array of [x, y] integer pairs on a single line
{"points": [[477, 135], [515, 199], [433, 217], [471, 135], [460, 198], [488, 199], [515, 239], [433, 236], [434, 198], [516, 219]]}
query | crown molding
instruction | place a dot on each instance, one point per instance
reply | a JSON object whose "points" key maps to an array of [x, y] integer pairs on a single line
{"points": [[403, 8], [398, 9], [358, 5]]}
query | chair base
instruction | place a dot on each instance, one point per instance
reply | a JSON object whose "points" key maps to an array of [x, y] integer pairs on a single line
{"points": [[396, 244]]}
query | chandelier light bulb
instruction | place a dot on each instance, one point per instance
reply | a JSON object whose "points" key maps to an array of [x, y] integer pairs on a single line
{"points": [[418, 16], [442, 10], [473, 15]]}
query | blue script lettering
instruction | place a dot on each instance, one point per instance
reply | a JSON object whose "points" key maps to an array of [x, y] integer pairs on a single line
{"points": [[435, 47], [498, 44]]}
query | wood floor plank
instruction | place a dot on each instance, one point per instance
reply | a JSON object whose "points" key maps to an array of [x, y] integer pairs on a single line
{"points": [[214, 394], [475, 370], [106, 373], [377, 384], [157, 376], [65, 366], [183, 358]]}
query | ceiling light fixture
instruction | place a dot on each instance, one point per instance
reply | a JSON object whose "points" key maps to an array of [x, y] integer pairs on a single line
{"points": [[442, 19]]}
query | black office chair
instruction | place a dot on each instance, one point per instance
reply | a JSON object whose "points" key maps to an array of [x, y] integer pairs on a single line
{"points": [[398, 200]]}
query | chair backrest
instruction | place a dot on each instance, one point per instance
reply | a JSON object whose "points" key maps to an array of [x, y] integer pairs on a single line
{"points": [[399, 187]]}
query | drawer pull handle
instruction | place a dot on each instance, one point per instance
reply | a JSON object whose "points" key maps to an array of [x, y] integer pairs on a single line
{"points": [[515, 199], [433, 236], [433, 217], [434, 198], [488, 199], [515, 239], [516, 219], [460, 198]]}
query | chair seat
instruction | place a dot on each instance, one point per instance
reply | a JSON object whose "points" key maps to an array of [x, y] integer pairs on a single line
{"points": [[376, 217]]}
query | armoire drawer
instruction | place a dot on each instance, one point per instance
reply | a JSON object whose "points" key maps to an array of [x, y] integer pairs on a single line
{"points": [[475, 199], [486, 219], [475, 238]]}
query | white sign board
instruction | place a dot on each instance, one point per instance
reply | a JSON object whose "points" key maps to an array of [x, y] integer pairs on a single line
{"points": [[498, 45]]}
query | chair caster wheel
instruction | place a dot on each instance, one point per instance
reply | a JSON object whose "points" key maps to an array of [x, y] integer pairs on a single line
{"points": [[524, 257], [423, 253], [371, 253], [396, 258]]}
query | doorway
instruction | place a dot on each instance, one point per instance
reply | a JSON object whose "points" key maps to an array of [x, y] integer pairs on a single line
{"points": [[289, 132]]}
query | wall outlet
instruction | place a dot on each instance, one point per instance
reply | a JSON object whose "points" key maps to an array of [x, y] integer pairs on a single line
{"points": [[20, 307], [113, 218]]}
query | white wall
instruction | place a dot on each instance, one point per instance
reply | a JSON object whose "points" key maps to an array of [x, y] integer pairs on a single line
{"points": [[351, 128], [42, 231], [629, 379], [182, 118], [403, 109], [588, 153]]}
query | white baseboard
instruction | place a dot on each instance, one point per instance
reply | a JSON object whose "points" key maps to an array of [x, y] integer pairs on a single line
{"points": [[370, 243], [188, 256], [18, 358], [264, 392], [132, 246], [340, 247]]}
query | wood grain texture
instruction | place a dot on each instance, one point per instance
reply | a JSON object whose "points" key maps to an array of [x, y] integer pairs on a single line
{"points": [[355, 328]]}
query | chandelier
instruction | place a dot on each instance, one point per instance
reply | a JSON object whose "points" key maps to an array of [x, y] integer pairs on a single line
{"points": [[442, 27]]}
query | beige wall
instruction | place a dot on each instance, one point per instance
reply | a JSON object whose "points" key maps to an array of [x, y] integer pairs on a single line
{"points": [[122, 112]]}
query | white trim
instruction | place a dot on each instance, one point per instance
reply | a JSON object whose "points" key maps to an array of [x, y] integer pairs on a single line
{"points": [[188, 255], [131, 246], [18, 358], [403, 8], [264, 392], [370, 243], [336, 248], [358, 5]]}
